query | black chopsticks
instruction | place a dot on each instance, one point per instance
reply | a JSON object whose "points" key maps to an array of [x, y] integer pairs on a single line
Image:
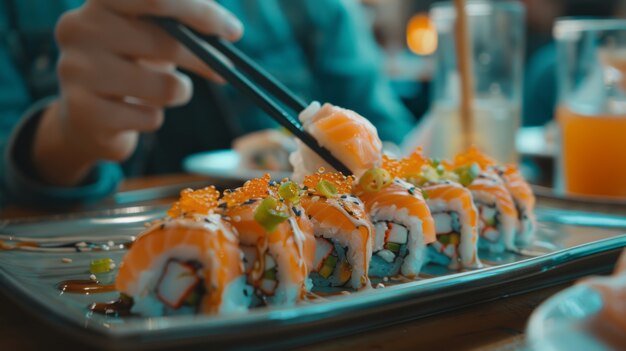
{"points": [[257, 73], [195, 44]]}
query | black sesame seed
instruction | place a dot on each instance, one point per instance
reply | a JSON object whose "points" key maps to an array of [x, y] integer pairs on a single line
{"points": [[296, 211]]}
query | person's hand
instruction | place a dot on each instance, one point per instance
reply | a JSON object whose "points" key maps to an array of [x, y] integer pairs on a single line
{"points": [[116, 74]]}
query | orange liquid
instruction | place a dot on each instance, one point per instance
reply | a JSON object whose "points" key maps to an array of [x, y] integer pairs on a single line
{"points": [[594, 153]]}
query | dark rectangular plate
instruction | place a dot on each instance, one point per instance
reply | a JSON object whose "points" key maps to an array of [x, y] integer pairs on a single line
{"points": [[569, 245]]}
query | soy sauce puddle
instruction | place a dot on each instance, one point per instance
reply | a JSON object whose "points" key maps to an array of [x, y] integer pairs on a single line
{"points": [[117, 308], [84, 287]]}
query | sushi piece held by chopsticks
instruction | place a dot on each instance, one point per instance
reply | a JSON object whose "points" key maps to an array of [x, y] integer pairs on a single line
{"points": [[349, 137]]}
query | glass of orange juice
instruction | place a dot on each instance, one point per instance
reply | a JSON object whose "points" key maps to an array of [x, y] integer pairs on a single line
{"points": [[591, 56]]}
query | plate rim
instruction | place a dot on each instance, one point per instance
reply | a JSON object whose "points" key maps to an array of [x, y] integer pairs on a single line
{"points": [[390, 297]]}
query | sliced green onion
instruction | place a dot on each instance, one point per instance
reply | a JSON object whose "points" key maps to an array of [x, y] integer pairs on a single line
{"points": [[375, 179], [430, 174], [290, 192], [269, 214], [467, 174], [440, 170], [326, 188], [474, 170], [102, 265]]}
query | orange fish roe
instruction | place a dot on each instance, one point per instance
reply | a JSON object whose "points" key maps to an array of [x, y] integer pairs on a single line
{"points": [[473, 155], [406, 167], [252, 189], [200, 201], [509, 169], [341, 182], [447, 165], [393, 166]]}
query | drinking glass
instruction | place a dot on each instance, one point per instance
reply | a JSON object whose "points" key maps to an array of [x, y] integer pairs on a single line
{"points": [[497, 44], [591, 56]]}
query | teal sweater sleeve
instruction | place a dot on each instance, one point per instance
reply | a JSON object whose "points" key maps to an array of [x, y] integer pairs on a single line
{"points": [[18, 122], [20, 185]]}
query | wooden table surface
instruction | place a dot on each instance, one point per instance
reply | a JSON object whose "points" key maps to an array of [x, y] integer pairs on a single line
{"points": [[496, 325]]}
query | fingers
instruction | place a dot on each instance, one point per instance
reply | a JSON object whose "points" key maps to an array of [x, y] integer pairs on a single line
{"points": [[111, 76], [204, 16], [133, 39], [117, 69], [108, 116], [105, 129]]}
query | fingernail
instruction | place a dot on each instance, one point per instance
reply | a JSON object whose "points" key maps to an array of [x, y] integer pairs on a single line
{"points": [[183, 95], [234, 28]]}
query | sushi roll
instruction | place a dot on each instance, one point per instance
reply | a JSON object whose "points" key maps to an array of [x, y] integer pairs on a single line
{"points": [[342, 231], [276, 239], [351, 138], [452, 208], [498, 218], [456, 225], [265, 150], [524, 202], [403, 224], [187, 263], [500, 224]]}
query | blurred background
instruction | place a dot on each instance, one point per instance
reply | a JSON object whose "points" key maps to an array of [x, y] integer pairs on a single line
{"points": [[408, 38]]}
